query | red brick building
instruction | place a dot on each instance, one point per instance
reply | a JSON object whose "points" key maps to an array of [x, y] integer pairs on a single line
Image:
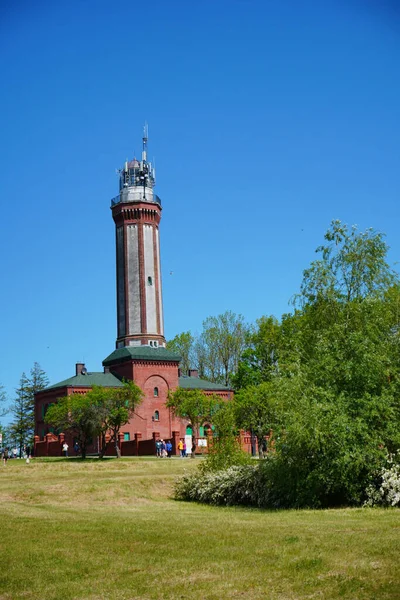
{"points": [[140, 353]]}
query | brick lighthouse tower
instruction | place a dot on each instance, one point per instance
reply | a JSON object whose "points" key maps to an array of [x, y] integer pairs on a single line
{"points": [[137, 212]]}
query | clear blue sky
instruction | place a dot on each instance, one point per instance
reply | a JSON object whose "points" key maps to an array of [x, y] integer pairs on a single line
{"points": [[267, 119]]}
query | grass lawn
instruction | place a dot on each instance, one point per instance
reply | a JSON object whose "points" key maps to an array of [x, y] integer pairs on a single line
{"points": [[109, 530]]}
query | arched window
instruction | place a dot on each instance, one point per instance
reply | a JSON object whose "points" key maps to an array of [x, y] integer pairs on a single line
{"points": [[149, 281], [156, 392], [156, 416]]}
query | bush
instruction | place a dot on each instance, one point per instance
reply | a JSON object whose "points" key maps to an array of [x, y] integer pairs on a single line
{"points": [[386, 490], [276, 484], [245, 485], [224, 452], [236, 485]]}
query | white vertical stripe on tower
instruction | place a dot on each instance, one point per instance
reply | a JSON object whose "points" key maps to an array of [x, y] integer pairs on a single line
{"points": [[133, 280], [149, 282], [159, 284], [120, 282]]}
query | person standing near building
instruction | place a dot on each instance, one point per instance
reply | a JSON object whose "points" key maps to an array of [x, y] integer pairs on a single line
{"points": [[180, 447], [184, 449], [158, 448], [168, 447], [65, 449], [163, 449]]}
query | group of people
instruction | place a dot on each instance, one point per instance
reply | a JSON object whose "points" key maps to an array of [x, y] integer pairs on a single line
{"points": [[163, 449], [7, 453], [65, 448]]}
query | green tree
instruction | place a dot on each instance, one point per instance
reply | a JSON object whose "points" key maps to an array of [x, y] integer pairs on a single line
{"points": [[224, 449], [20, 426], [326, 378], [77, 414], [115, 407], [195, 406], [220, 346], [37, 381], [23, 405], [3, 399], [260, 360], [183, 345], [102, 410], [256, 409], [353, 265], [8, 437]]}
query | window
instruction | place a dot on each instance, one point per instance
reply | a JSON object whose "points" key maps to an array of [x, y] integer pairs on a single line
{"points": [[149, 281], [156, 392], [156, 416], [127, 436]]}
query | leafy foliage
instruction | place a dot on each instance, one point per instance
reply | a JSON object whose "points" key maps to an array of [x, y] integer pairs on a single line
{"points": [[353, 266], [182, 344], [3, 399], [326, 379], [37, 381], [195, 406], [224, 448], [21, 425], [78, 414], [115, 406], [100, 411], [255, 409], [217, 350], [23, 405]]}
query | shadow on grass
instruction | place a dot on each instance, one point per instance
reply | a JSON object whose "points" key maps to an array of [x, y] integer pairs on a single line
{"points": [[88, 459]]}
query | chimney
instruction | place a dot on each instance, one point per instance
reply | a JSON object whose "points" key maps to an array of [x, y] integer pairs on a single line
{"points": [[78, 368], [106, 369], [193, 373]]}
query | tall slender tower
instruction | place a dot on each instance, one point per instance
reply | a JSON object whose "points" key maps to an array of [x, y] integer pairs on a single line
{"points": [[137, 212]]}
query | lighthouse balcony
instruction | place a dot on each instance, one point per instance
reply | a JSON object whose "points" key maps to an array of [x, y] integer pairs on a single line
{"points": [[138, 196]]}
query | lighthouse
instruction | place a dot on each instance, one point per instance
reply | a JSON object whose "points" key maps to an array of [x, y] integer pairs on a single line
{"points": [[140, 354], [137, 213]]}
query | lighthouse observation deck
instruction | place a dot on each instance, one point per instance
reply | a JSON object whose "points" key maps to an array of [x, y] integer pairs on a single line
{"points": [[135, 195]]}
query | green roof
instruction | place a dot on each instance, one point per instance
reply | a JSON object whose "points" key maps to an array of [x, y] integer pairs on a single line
{"points": [[140, 353], [88, 380], [195, 383]]}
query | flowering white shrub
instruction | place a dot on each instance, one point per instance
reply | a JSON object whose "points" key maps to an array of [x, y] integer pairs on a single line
{"points": [[387, 491], [236, 485]]}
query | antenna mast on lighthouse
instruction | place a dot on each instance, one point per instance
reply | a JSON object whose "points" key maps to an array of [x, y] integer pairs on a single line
{"points": [[145, 139]]}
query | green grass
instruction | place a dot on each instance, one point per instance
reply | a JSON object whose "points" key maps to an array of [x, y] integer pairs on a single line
{"points": [[108, 530]]}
